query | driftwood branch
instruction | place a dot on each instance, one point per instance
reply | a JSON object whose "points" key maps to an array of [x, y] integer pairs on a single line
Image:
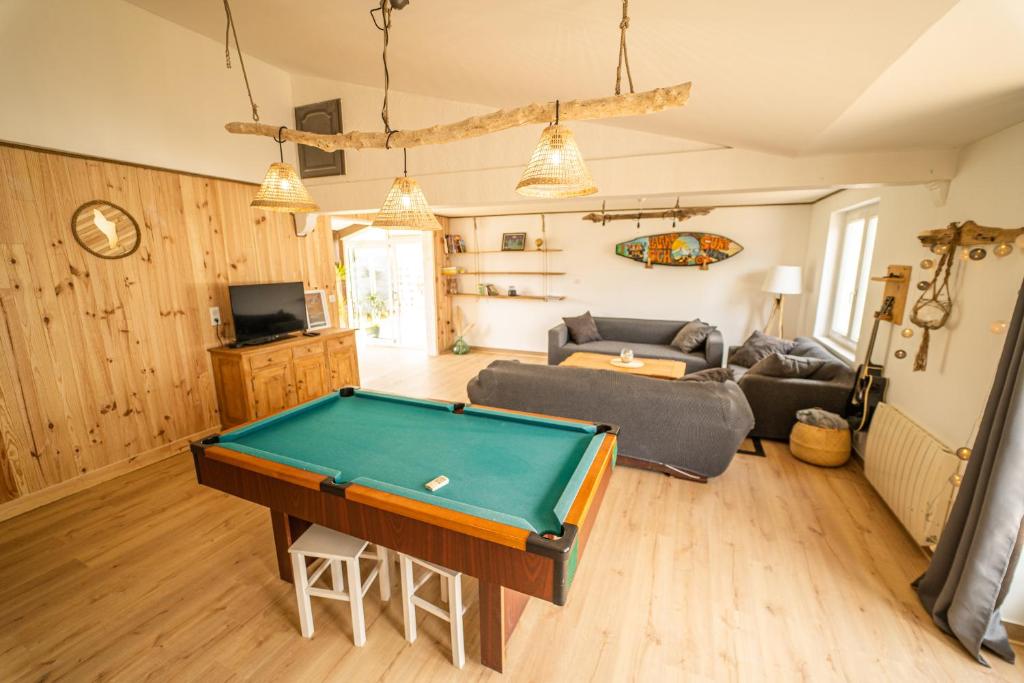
{"points": [[635, 104], [680, 214], [971, 234]]}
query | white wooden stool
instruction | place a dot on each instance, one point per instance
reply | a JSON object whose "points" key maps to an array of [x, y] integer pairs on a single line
{"points": [[332, 549], [451, 592]]}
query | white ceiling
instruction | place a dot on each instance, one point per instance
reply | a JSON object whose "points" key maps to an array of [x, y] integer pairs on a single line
{"points": [[787, 76]]}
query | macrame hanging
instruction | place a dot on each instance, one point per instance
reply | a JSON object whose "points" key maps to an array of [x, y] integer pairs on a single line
{"points": [[935, 304]]}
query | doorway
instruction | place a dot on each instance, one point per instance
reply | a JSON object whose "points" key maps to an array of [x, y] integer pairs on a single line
{"points": [[387, 276]]}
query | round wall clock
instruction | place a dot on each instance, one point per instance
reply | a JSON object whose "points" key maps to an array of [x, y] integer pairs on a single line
{"points": [[105, 230]]}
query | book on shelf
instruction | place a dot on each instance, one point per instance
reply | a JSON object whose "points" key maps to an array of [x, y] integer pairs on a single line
{"points": [[454, 244]]}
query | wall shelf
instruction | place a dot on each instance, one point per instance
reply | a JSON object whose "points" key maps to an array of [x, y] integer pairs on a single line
{"points": [[528, 297], [502, 272], [500, 251]]}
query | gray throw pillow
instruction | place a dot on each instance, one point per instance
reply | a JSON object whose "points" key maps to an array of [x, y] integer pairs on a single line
{"points": [[582, 329], [691, 335], [759, 345], [710, 375], [779, 365]]}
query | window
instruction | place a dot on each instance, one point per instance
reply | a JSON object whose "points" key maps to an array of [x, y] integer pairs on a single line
{"points": [[845, 285]]}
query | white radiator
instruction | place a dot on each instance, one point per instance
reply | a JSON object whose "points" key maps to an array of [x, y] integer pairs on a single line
{"points": [[915, 474]]}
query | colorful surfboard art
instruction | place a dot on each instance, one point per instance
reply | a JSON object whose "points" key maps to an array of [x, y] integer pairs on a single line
{"points": [[679, 249]]}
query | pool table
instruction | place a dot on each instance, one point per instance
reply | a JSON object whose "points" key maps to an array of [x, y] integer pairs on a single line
{"points": [[523, 493]]}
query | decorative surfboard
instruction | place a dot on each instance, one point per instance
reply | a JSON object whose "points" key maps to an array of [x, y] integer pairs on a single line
{"points": [[679, 249]]}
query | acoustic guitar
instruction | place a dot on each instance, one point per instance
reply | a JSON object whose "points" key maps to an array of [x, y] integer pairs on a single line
{"points": [[869, 389]]}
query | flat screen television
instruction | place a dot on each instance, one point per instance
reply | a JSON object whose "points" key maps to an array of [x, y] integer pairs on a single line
{"points": [[263, 313]]}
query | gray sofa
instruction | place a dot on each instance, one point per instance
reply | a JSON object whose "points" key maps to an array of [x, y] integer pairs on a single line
{"points": [[647, 338], [674, 426], [775, 400]]}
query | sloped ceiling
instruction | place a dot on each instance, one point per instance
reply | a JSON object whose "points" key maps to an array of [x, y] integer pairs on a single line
{"points": [[787, 76]]}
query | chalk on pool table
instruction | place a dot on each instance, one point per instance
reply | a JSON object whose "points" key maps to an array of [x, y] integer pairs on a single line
{"points": [[436, 483]]}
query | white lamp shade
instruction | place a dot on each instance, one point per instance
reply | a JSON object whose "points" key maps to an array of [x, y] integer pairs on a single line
{"points": [[783, 280]]}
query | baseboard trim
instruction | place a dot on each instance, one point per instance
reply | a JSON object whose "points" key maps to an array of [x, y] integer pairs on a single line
{"points": [[37, 499], [1014, 631], [491, 349]]}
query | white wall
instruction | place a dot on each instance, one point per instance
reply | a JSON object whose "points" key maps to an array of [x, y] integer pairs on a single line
{"points": [[108, 79], [727, 294], [948, 398]]}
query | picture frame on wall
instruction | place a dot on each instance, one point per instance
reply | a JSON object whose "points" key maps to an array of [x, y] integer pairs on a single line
{"points": [[513, 241], [317, 315]]}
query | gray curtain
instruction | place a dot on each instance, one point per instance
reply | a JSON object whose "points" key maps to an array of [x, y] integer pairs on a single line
{"points": [[976, 557]]}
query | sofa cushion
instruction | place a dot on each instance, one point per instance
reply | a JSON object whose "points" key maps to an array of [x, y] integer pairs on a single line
{"points": [[710, 375], [582, 328], [694, 361], [691, 335], [758, 346], [779, 365]]}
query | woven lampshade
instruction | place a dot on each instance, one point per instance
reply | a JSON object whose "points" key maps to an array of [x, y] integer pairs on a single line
{"points": [[556, 168], [283, 191], [405, 208]]}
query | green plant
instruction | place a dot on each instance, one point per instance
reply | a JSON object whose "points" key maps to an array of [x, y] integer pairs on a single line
{"points": [[374, 308]]}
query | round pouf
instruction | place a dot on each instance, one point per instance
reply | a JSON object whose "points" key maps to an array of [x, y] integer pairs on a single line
{"points": [[822, 446]]}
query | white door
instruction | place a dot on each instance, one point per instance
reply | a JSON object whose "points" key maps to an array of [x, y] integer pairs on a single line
{"points": [[386, 281]]}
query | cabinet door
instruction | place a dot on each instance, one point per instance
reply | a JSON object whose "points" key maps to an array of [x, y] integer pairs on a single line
{"points": [[310, 378], [344, 367], [272, 389]]}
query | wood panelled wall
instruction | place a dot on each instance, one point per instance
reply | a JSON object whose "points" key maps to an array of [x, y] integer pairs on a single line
{"points": [[104, 364]]}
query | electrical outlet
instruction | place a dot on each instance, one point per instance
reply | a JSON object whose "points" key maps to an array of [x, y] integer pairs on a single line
{"points": [[215, 315]]}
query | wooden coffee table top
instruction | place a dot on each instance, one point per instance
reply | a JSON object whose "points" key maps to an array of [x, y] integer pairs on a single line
{"points": [[653, 367]]}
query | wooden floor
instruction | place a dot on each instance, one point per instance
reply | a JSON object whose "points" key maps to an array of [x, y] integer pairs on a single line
{"points": [[775, 571]]}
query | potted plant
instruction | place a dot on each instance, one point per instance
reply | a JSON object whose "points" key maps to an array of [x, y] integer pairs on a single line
{"points": [[374, 309]]}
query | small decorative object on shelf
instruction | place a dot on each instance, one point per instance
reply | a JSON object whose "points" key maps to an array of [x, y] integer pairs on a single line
{"points": [[512, 290], [513, 241], [454, 244], [492, 290], [481, 289]]}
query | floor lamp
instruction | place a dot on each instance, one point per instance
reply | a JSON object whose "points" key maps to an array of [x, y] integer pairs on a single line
{"points": [[781, 280]]}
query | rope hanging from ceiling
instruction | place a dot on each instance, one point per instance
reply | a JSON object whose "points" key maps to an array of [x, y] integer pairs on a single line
{"points": [[229, 32], [631, 104]]}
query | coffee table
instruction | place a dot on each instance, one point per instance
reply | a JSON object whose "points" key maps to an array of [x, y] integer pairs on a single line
{"points": [[653, 367]]}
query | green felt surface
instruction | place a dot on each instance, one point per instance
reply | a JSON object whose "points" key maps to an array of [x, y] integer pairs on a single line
{"points": [[517, 470]]}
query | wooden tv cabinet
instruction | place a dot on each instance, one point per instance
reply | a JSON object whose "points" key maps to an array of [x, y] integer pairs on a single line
{"points": [[256, 381]]}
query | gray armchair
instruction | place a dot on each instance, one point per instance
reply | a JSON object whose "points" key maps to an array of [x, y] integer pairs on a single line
{"points": [[775, 400], [647, 338]]}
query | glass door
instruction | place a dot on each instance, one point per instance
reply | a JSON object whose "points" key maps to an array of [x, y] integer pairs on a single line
{"points": [[386, 282]]}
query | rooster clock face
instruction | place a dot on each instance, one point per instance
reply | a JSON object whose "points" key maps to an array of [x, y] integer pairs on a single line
{"points": [[105, 230]]}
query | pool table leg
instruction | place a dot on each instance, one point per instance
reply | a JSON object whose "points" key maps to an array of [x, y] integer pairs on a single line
{"points": [[500, 609], [286, 530]]}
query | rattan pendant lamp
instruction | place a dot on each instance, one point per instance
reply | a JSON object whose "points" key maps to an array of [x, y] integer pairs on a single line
{"points": [[282, 190], [556, 169], [405, 207]]}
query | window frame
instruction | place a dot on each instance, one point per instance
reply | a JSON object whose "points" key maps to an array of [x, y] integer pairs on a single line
{"points": [[835, 257]]}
